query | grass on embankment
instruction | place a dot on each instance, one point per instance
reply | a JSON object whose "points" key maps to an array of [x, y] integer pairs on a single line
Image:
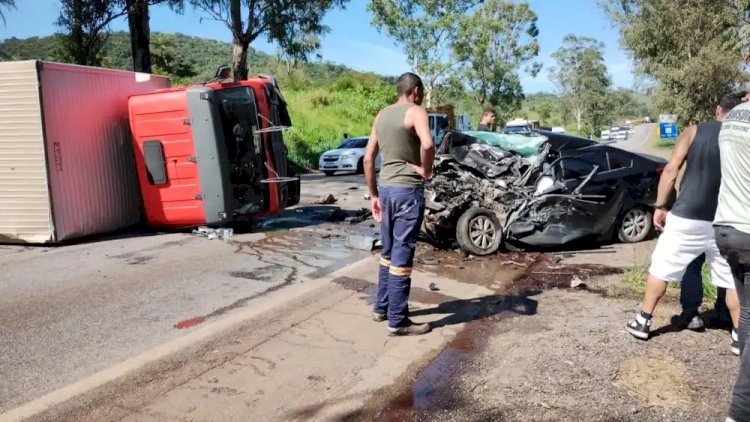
{"points": [[636, 278]]}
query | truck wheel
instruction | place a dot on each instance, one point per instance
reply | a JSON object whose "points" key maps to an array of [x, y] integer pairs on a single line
{"points": [[479, 232]]}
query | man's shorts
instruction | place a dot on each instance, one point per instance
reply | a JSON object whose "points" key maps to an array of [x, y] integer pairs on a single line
{"points": [[682, 241]]}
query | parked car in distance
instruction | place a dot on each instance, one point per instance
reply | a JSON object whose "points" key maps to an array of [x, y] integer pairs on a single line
{"points": [[348, 157]]}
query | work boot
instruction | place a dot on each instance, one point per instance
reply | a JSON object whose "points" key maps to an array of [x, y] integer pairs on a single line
{"points": [[640, 327], [409, 329], [735, 343], [378, 317]]}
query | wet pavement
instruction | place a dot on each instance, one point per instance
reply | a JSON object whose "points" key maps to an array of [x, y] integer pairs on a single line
{"points": [[72, 310], [515, 278]]}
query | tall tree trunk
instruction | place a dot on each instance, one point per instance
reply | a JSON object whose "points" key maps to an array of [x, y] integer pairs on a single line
{"points": [[240, 42], [428, 96], [140, 34], [78, 45], [239, 58]]}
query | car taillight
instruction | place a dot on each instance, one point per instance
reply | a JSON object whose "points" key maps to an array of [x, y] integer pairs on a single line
{"points": [[659, 171]]}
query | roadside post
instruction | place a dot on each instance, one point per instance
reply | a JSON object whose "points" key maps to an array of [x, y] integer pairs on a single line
{"points": [[668, 127]]}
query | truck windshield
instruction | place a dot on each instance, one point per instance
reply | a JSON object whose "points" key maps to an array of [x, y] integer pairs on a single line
{"points": [[238, 111]]}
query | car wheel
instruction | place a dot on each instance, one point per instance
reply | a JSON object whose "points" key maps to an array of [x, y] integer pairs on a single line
{"points": [[361, 166], [479, 232], [636, 225], [329, 173]]}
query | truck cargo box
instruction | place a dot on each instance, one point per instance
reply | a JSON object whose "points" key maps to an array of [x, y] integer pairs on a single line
{"points": [[66, 157], [208, 154]]}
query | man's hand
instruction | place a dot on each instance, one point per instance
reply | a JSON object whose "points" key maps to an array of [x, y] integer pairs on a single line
{"points": [[660, 217], [420, 171], [377, 212]]}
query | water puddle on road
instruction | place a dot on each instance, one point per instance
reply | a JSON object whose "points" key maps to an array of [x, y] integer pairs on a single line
{"points": [[433, 388], [285, 258]]}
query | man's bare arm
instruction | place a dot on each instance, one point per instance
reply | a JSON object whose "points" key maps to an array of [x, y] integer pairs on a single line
{"points": [[422, 128], [672, 170], [371, 154]]}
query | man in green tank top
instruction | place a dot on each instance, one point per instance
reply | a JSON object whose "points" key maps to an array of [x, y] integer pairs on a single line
{"points": [[401, 134]]}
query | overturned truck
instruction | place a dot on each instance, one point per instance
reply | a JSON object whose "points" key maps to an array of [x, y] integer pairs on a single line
{"points": [[543, 189]]}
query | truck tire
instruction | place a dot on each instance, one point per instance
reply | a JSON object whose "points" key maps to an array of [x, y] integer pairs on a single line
{"points": [[479, 232]]}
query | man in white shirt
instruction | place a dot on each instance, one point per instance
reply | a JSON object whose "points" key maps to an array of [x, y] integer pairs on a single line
{"points": [[732, 228]]}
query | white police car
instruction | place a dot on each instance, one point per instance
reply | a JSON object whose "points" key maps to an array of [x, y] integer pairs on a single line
{"points": [[349, 157]]}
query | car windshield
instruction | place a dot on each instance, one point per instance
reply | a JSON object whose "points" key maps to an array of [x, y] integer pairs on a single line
{"points": [[353, 143]]}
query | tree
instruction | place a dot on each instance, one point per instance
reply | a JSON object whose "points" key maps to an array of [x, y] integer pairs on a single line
{"points": [[6, 4], [692, 49], [626, 104], [140, 29], [289, 23], [86, 22], [427, 30], [168, 61], [500, 37], [582, 80]]}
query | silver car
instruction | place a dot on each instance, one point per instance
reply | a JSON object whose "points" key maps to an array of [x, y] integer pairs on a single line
{"points": [[348, 157]]}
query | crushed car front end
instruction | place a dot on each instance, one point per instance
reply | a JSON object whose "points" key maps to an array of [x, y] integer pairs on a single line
{"points": [[493, 189]]}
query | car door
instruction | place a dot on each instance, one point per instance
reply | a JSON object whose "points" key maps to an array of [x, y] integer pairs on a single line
{"points": [[586, 203]]}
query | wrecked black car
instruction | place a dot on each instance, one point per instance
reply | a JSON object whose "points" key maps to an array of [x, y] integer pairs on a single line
{"points": [[487, 194]]}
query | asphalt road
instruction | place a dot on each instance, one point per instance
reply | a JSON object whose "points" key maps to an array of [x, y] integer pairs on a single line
{"points": [[70, 311]]}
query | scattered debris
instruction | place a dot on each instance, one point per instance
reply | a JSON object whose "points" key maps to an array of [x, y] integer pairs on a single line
{"points": [[328, 200], [361, 242], [353, 187], [556, 258], [356, 219], [431, 262], [434, 287], [211, 233], [577, 283], [512, 263], [366, 197]]}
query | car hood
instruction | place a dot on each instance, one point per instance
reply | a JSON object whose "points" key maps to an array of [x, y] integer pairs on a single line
{"points": [[340, 151]]}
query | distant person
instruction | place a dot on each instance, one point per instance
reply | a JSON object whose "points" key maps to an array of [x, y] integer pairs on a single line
{"points": [[401, 133], [223, 73], [687, 228], [488, 120], [732, 226]]}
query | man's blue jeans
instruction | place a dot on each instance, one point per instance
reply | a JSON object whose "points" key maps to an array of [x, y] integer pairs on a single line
{"points": [[403, 211]]}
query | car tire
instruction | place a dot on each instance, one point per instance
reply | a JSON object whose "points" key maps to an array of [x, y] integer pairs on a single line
{"points": [[636, 225], [479, 232], [361, 166], [329, 173]]}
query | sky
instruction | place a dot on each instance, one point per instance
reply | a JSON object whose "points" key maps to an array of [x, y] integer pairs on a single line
{"points": [[354, 42]]}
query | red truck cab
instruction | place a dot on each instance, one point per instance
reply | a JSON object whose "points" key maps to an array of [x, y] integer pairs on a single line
{"points": [[207, 154]]}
